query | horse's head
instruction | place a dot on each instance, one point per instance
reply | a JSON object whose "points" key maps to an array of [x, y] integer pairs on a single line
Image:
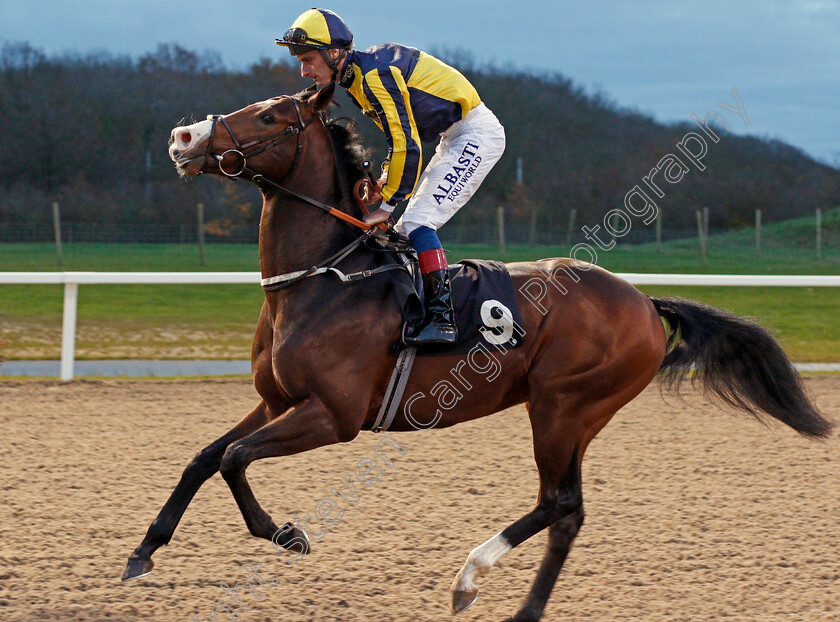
{"points": [[262, 138]]}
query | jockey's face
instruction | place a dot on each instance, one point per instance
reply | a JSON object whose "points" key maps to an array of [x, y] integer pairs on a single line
{"points": [[313, 66]]}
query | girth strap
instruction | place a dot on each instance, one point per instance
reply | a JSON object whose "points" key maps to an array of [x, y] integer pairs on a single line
{"points": [[395, 390]]}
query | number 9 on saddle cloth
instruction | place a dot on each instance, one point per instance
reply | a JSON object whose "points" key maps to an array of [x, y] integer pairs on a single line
{"points": [[485, 307]]}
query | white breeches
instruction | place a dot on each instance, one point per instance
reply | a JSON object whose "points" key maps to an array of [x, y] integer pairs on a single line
{"points": [[466, 153]]}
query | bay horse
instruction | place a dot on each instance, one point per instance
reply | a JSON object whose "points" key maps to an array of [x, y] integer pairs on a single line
{"points": [[322, 357]]}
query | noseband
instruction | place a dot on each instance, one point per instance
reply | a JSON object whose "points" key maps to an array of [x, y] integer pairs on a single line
{"points": [[267, 142]]}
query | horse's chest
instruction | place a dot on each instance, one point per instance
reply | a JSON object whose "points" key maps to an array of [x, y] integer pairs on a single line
{"points": [[297, 355]]}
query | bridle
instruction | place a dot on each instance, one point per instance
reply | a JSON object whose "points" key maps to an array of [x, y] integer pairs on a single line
{"points": [[263, 144], [270, 141]]}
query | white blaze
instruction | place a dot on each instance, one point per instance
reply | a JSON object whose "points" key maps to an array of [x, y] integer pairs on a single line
{"points": [[185, 138]]}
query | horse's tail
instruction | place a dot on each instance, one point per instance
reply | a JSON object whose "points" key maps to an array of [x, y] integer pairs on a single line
{"points": [[738, 362]]}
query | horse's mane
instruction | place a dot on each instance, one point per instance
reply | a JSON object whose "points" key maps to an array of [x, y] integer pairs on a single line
{"points": [[350, 151]]}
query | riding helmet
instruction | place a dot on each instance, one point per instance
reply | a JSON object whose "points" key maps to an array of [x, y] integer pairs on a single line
{"points": [[317, 29]]}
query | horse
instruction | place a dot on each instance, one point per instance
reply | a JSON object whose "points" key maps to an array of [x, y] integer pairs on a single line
{"points": [[322, 354]]}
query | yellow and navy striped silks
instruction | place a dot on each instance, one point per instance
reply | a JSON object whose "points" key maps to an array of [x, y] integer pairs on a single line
{"points": [[412, 97]]}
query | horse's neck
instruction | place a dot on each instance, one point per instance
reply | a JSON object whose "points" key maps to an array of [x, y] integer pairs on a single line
{"points": [[295, 235]]}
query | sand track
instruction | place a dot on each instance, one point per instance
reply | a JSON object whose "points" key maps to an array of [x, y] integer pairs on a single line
{"points": [[692, 514]]}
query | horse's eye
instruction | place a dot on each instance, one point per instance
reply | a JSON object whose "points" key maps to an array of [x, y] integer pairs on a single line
{"points": [[267, 119]]}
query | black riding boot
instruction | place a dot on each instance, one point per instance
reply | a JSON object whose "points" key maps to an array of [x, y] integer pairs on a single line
{"points": [[440, 316]]}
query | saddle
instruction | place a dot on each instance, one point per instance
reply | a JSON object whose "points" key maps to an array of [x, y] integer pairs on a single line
{"points": [[486, 313]]}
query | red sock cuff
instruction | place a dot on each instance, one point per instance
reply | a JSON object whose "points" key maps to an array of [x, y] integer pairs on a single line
{"points": [[434, 259]]}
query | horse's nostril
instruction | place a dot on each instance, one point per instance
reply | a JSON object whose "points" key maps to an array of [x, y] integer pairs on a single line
{"points": [[185, 138]]}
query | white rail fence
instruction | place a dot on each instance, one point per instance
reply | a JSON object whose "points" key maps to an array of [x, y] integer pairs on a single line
{"points": [[72, 280]]}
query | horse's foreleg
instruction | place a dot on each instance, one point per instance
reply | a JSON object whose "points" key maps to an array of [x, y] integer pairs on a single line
{"points": [[306, 426], [201, 468]]}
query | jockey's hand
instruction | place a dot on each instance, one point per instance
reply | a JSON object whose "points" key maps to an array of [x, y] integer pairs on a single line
{"points": [[374, 193], [374, 218]]}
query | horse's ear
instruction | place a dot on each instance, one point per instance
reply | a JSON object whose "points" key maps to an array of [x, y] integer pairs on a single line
{"points": [[322, 98]]}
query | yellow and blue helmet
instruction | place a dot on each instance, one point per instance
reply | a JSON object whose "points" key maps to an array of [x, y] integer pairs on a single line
{"points": [[317, 29]]}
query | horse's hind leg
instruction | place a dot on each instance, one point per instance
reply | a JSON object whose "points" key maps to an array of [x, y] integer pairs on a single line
{"points": [[557, 452], [560, 537], [201, 468]]}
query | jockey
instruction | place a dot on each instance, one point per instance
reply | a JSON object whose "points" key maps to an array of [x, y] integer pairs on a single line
{"points": [[412, 97]]}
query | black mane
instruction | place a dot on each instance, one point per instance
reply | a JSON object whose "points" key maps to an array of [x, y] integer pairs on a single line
{"points": [[347, 140], [350, 152]]}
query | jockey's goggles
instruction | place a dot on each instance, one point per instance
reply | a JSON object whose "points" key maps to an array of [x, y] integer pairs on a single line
{"points": [[298, 36]]}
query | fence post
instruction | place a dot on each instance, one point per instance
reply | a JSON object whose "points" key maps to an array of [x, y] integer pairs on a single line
{"points": [[819, 232], [57, 226], [701, 235], [572, 215], [201, 234], [148, 178], [659, 230], [706, 225], [500, 219], [758, 232], [68, 330], [532, 230]]}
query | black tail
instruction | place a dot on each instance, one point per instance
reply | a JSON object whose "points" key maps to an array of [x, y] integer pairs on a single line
{"points": [[738, 362]]}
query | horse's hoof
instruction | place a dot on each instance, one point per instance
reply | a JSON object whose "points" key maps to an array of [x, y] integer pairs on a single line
{"points": [[137, 567], [292, 538], [462, 599]]}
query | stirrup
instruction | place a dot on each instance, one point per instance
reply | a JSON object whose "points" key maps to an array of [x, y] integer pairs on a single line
{"points": [[405, 332], [413, 340]]}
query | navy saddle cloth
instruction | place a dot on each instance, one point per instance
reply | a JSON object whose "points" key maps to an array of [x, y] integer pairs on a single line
{"points": [[486, 313]]}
